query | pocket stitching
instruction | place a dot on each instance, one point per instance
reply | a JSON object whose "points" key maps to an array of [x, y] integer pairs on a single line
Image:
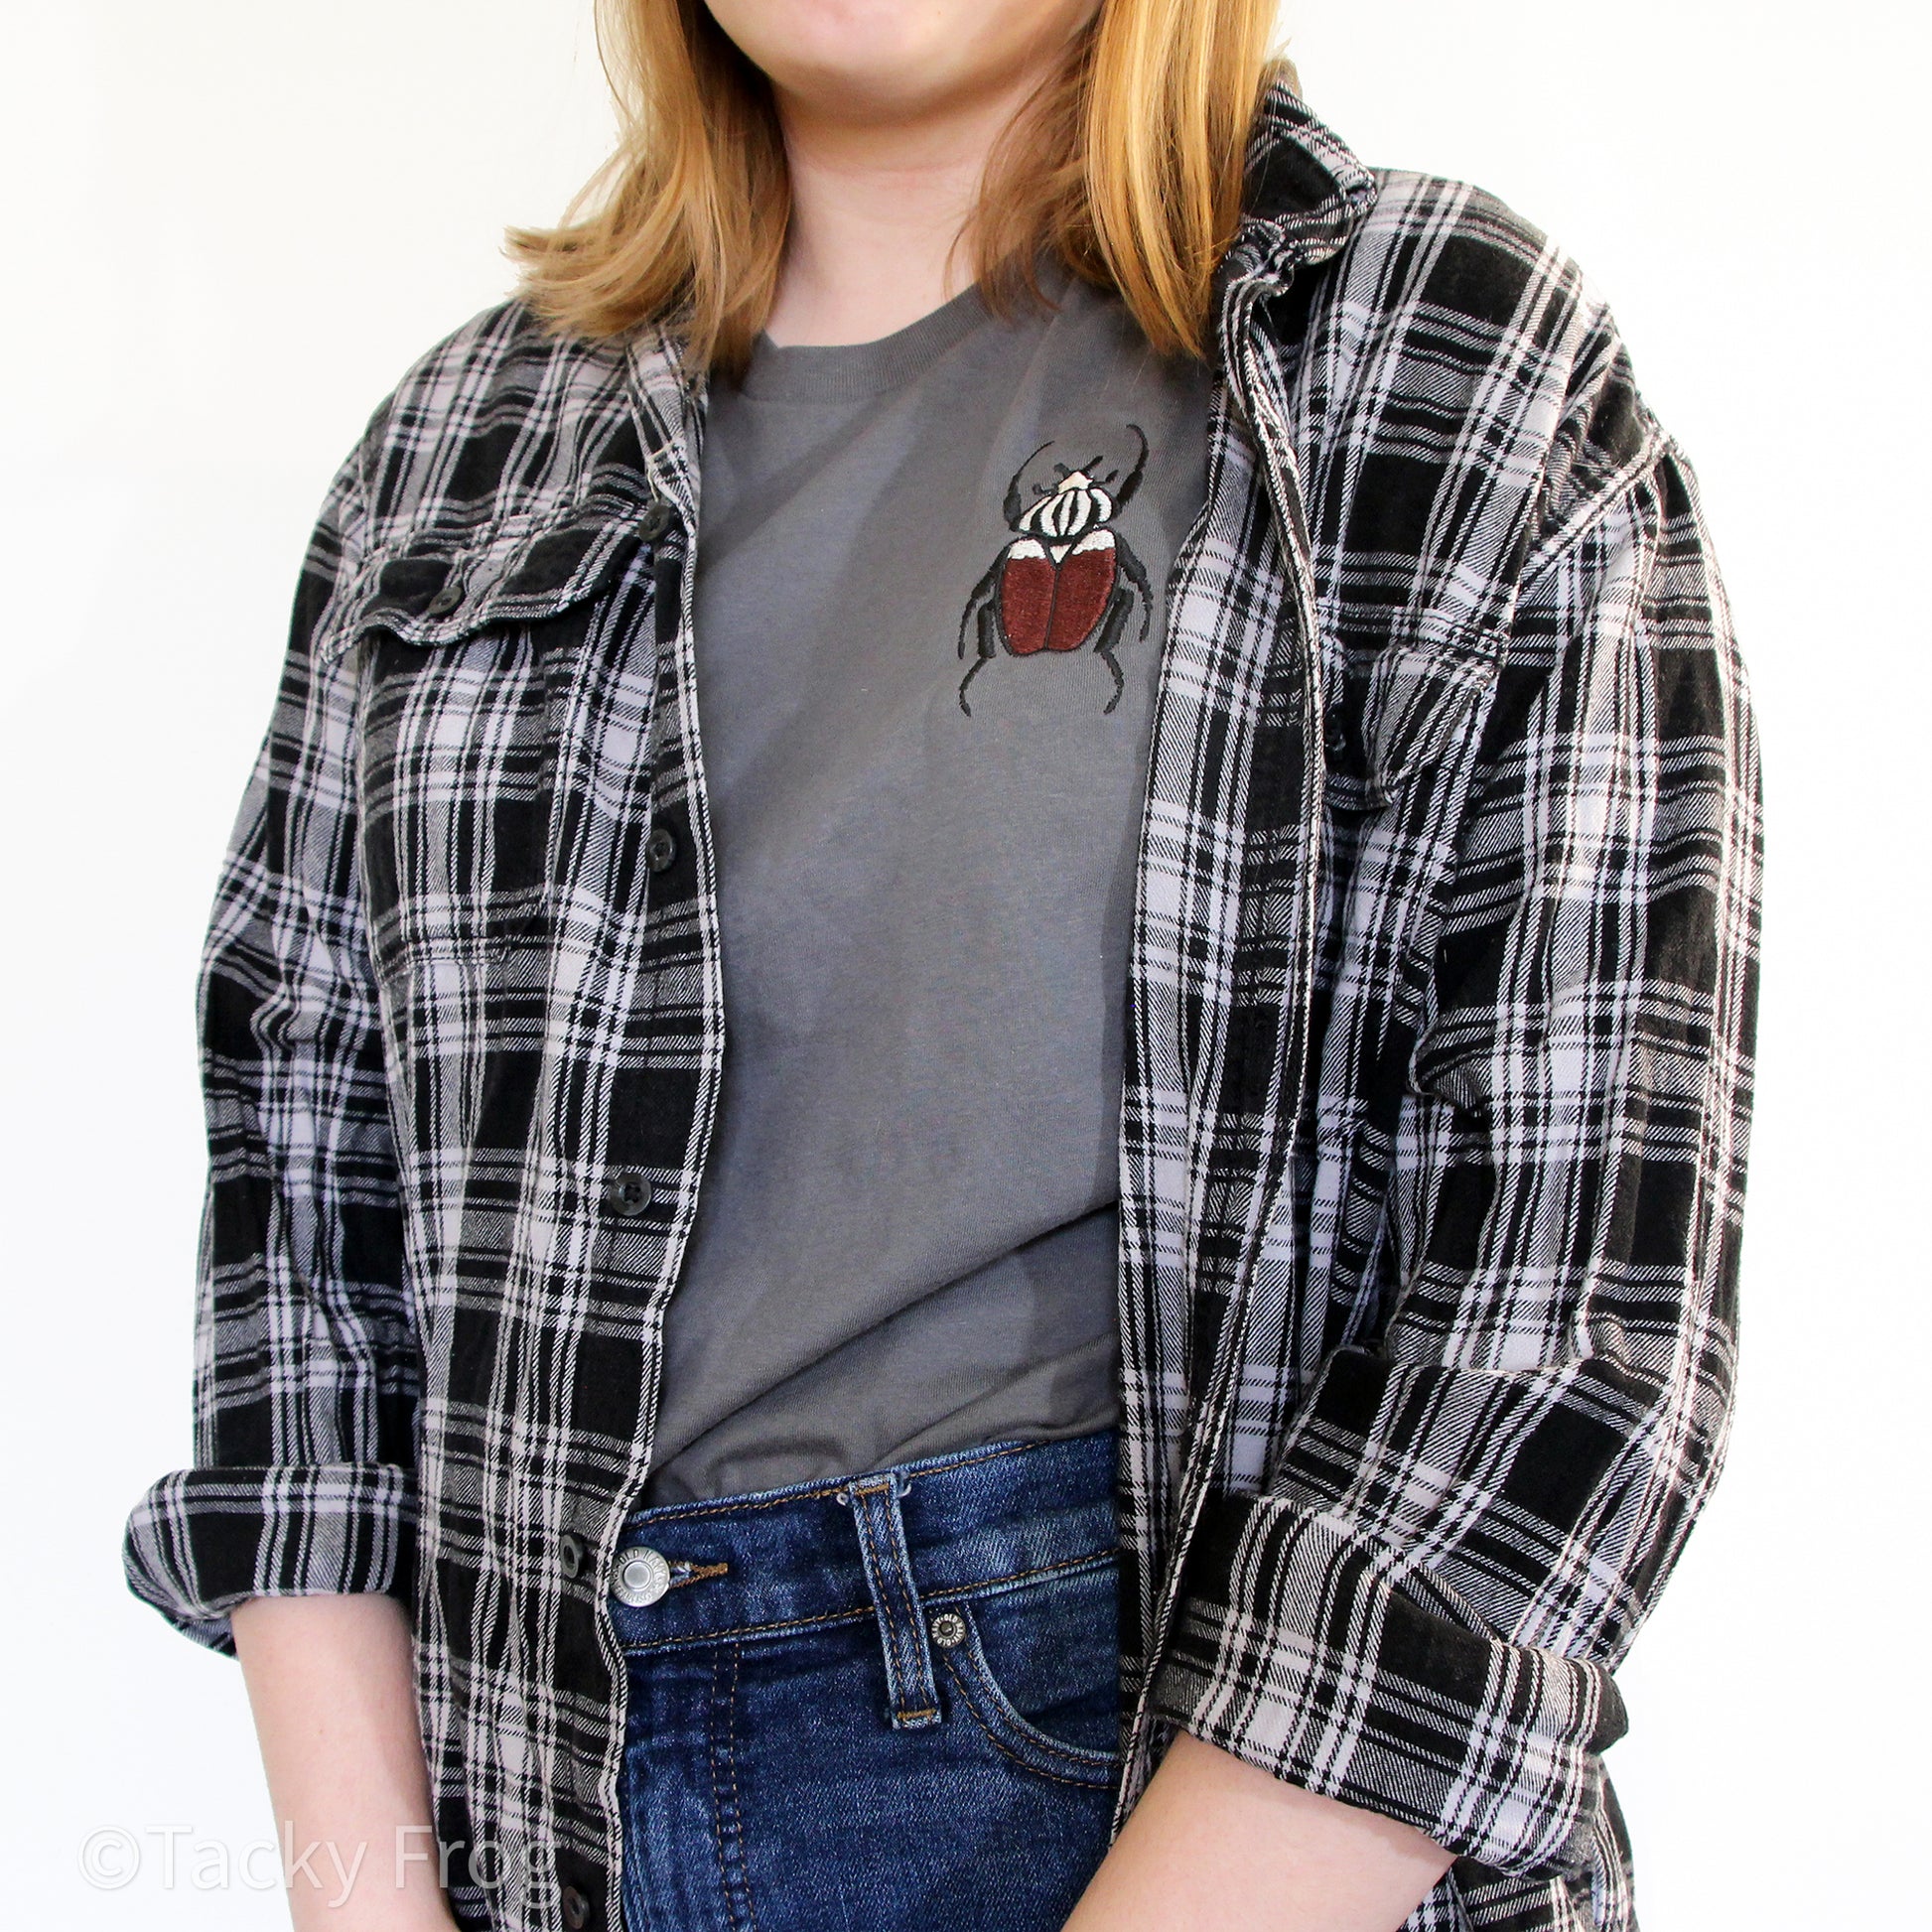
{"points": [[474, 936], [977, 1685], [1030, 1734]]}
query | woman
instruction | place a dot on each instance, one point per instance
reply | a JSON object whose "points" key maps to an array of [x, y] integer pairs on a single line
{"points": [[1203, 957]]}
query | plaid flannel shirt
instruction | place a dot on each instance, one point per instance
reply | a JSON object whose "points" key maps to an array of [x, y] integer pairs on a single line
{"points": [[1433, 1142]]}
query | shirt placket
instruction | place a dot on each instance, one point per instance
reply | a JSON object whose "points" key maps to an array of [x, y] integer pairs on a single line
{"points": [[654, 1122]]}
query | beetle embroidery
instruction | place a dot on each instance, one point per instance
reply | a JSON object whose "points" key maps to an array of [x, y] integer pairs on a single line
{"points": [[1065, 580]]}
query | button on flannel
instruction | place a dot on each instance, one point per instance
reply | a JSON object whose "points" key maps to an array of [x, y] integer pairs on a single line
{"points": [[1433, 1142]]}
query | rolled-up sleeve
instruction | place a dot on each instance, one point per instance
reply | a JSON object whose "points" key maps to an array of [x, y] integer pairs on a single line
{"points": [[306, 1371], [1470, 1511]]}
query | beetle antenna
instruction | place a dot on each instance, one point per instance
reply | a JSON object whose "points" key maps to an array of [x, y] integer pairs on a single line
{"points": [[1014, 503]]}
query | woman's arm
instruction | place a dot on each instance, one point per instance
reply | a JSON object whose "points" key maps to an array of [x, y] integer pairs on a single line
{"points": [[1474, 1503], [1216, 1845], [328, 1681], [291, 1537], [306, 1360]]}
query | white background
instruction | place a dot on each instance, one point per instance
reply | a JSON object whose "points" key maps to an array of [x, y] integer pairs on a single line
{"points": [[231, 225]]}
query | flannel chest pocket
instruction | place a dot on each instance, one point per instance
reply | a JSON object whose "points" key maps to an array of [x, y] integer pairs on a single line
{"points": [[473, 654], [1402, 695]]}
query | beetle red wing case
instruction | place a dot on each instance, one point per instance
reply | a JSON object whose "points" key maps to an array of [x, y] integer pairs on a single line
{"points": [[1049, 606], [1082, 585], [1027, 585]]}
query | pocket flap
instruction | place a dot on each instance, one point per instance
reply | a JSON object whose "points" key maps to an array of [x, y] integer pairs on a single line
{"points": [[1397, 702], [439, 587]]}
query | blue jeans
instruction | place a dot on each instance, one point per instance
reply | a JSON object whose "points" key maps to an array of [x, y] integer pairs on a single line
{"points": [[877, 1702]]}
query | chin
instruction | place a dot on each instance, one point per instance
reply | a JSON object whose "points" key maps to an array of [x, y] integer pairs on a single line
{"points": [[892, 60]]}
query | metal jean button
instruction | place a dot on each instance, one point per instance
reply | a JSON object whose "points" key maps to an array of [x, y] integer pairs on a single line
{"points": [[949, 1628], [643, 1575]]}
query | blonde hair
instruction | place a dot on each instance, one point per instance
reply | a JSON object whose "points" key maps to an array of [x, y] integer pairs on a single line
{"points": [[1126, 165]]}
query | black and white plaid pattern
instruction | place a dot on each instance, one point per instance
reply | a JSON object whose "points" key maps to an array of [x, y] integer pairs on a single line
{"points": [[1440, 1012]]}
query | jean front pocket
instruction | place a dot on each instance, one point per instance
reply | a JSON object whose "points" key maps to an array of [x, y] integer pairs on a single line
{"points": [[1035, 1663]]}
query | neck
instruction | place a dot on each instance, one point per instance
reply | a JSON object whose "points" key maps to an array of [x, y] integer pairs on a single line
{"points": [[877, 208]]}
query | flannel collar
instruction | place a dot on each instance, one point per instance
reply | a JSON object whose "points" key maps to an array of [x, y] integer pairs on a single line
{"points": [[1304, 193]]}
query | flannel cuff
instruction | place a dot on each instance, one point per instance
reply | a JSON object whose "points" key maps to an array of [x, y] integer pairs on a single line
{"points": [[1305, 1649], [201, 1541]]}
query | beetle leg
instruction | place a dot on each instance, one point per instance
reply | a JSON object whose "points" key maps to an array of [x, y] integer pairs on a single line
{"points": [[978, 604], [989, 649], [1131, 565], [1110, 625]]}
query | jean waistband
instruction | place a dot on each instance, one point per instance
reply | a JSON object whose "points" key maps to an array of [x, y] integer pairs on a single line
{"points": [[821, 1551]]}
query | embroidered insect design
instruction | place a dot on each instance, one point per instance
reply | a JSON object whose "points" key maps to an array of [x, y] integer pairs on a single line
{"points": [[1066, 580]]}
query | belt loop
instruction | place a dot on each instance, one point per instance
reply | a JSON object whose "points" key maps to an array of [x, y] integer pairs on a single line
{"points": [[913, 1698]]}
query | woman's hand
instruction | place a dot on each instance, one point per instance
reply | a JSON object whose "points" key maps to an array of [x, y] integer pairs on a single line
{"points": [[1216, 1845], [334, 1696]]}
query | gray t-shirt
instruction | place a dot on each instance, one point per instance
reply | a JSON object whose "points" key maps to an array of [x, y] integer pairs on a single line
{"points": [[930, 574]]}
